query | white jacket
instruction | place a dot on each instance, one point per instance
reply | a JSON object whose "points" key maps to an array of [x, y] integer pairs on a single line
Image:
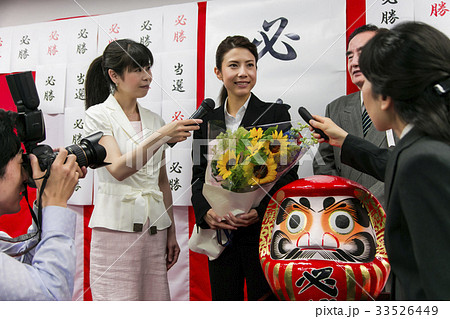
{"points": [[121, 204]]}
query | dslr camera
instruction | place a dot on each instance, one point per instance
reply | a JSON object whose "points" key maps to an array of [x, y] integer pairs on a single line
{"points": [[31, 129]]}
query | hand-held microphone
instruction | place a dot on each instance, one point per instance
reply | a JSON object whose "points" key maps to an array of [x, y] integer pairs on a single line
{"points": [[308, 117], [206, 106]]}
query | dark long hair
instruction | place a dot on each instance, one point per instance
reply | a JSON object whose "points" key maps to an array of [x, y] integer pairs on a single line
{"points": [[226, 45], [118, 56], [9, 141], [406, 63]]}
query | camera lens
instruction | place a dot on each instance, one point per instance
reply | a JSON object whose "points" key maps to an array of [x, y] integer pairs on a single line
{"points": [[76, 150], [89, 153]]}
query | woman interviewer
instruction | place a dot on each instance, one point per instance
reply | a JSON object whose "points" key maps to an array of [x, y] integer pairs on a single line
{"points": [[133, 231], [407, 88]]}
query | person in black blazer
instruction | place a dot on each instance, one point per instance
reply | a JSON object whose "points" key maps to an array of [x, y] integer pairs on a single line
{"points": [[236, 59], [407, 89]]}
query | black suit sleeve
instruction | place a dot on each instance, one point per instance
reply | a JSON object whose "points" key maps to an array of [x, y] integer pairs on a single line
{"points": [[199, 151], [365, 156]]}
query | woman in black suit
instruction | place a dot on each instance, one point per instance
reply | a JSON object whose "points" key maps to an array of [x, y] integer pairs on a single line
{"points": [[236, 59], [407, 87]]}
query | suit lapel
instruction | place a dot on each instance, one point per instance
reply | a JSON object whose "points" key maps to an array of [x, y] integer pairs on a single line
{"points": [[352, 121], [120, 118], [351, 118], [255, 108], [146, 121], [376, 137], [215, 122]]}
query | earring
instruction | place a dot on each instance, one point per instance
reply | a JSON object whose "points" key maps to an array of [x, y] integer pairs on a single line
{"points": [[112, 88]]}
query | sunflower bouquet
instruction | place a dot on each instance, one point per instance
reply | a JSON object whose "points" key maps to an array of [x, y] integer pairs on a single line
{"points": [[244, 165]]}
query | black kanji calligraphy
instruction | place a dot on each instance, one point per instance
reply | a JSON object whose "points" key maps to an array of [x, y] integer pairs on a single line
{"points": [[319, 278], [290, 53]]}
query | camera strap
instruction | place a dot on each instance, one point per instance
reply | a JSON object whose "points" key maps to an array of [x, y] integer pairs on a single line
{"points": [[27, 236], [37, 220]]}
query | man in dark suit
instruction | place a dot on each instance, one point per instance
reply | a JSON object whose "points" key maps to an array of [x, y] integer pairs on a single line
{"points": [[347, 112]]}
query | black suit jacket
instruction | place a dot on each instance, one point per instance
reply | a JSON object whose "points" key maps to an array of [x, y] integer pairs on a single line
{"points": [[417, 230], [269, 114]]}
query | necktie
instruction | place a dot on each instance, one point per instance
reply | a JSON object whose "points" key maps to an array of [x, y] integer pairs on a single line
{"points": [[366, 122]]}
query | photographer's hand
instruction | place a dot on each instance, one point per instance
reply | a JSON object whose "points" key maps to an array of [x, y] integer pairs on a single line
{"points": [[63, 178]]}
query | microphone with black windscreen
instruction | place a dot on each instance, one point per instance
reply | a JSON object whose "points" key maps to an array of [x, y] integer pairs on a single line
{"points": [[308, 117], [206, 106]]}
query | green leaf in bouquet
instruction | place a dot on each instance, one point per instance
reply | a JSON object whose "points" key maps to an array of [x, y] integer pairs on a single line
{"points": [[270, 130], [214, 169], [237, 180], [242, 146], [259, 158]]}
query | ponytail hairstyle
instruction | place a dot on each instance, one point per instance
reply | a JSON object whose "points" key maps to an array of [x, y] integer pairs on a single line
{"points": [[119, 55], [406, 63], [227, 45]]}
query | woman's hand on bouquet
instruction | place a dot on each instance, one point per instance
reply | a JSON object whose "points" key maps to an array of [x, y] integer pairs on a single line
{"points": [[216, 222], [242, 220]]}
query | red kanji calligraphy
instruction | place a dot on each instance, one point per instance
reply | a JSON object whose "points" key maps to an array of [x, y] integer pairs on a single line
{"points": [[180, 20], [114, 28], [177, 116], [439, 9], [54, 36], [179, 36], [52, 50]]}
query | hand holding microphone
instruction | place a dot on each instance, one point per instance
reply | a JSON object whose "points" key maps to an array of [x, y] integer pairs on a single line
{"points": [[334, 135], [308, 117], [181, 128]]}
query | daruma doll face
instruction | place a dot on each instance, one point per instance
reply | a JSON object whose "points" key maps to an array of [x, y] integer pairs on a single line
{"points": [[323, 246], [324, 228]]}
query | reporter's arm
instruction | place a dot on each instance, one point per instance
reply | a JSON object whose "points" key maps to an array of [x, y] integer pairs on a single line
{"points": [[355, 152], [365, 156], [125, 165]]}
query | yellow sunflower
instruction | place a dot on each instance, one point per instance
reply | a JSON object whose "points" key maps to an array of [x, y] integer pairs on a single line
{"points": [[279, 144], [256, 134], [227, 161], [259, 146], [262, 174]]}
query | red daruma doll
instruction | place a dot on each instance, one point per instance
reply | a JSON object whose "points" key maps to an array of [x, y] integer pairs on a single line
{"points": [[323, 239]]}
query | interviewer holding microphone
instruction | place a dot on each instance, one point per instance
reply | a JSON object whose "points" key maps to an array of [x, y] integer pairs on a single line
{"points": [[133, 231], [407, 88]]}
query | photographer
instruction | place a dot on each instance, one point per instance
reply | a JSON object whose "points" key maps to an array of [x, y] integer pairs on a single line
{"points": [[46, 271]]}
